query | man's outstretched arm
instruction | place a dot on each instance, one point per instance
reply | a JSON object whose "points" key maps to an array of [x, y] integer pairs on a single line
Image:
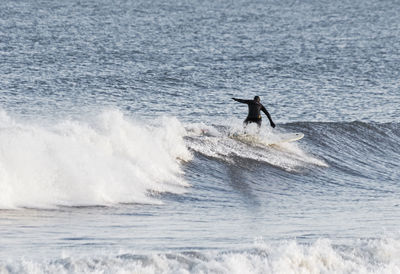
{"points": [[269, 117], [242, 101]]}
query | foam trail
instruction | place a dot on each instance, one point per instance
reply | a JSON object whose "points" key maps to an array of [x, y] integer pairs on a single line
{"points": [[108, 159], [215, 142]]}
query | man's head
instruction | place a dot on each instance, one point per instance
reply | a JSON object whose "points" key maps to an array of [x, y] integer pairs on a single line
{"points": [[256, 98]]}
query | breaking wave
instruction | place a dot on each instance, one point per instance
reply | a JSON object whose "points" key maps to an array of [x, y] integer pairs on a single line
{"points": [[98, 161], [364, 256]]}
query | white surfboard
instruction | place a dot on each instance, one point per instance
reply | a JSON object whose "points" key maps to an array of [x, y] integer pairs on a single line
{"points": [[264, 141]]}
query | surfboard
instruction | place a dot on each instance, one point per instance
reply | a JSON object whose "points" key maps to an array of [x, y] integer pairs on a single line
{"points": [[264, 141]]}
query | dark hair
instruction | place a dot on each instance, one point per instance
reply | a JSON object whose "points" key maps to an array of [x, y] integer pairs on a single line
{"points": [[256, 98]]}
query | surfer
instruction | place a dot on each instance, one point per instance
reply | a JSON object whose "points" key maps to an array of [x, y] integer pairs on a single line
{"points": [[254, 115]]}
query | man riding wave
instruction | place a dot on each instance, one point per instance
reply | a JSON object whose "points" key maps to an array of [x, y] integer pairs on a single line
{"points": [[255, 108]]}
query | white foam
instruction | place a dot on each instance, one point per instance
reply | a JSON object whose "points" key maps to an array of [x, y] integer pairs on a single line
{"points": [[367, 256], [100, 161]]}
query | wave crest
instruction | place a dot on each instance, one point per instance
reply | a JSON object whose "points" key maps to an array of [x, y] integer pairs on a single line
{"points": [[105, 160]]}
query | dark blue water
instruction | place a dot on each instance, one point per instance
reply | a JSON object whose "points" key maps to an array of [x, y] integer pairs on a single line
{"points": [[116, 148]]}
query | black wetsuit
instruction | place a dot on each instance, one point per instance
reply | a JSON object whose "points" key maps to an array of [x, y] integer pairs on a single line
{"points": [[255, 109]]}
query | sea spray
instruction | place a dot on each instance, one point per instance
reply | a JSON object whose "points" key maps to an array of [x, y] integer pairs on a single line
{"points": [[105, 160]]}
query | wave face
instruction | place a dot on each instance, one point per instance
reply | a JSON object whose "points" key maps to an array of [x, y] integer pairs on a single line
{"points": [[104, 160], [367, 150], [351, 147], [368, 256]]}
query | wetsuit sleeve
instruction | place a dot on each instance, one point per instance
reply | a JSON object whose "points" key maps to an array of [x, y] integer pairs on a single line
{"points": [[242, 101], [268, 115]]}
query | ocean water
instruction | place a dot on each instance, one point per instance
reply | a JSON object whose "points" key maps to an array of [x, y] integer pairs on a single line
{"points": [[116, 121]]}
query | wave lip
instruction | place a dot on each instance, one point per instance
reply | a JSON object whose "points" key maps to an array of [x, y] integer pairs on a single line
{"points": [[105, 160]]}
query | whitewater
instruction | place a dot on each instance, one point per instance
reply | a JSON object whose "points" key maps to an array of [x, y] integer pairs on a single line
{"points": [[116, 126], [73, 163]]}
